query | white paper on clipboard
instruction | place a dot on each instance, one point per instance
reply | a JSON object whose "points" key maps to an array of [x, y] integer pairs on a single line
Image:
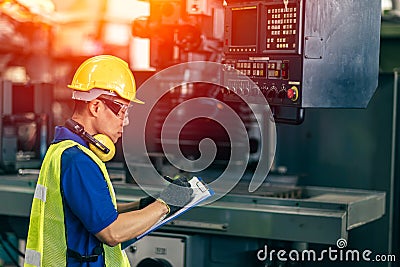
{"points": [[200, 193]]}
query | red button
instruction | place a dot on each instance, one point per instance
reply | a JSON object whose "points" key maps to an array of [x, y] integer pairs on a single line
{"points": [[291, 93]]}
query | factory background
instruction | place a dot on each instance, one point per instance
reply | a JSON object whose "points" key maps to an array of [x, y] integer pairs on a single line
{"points": [[330, 77]]}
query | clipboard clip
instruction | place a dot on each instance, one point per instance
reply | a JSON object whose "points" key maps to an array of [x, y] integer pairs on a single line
{"points": [[201, 185]]}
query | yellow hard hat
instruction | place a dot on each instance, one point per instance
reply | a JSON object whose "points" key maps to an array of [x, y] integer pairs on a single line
{"points": [[104, 74]]}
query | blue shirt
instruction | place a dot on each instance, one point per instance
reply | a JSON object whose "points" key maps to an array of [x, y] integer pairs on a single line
{"points": [[88, 206]]}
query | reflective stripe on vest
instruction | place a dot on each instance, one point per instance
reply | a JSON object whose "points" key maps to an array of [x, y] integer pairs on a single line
{"points": [[46, 242]]}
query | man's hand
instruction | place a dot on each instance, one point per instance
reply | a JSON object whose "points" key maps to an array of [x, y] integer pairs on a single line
{"points": [[177, 194]]}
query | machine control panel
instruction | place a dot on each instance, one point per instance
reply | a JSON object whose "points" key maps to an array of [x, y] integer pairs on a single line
{"points": [[262, 42], [305, 54]]}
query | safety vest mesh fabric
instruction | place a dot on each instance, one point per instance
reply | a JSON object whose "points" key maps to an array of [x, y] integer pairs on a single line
{"points": [[46, 243]]}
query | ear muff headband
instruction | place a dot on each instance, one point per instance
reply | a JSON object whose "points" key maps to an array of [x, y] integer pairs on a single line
{"points": [[100, 144]]}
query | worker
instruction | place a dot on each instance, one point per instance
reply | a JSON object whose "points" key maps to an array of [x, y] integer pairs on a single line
{"points": [[75, 219]]}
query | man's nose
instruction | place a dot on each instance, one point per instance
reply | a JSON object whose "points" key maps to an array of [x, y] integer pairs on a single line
{"points": [[126, 121]]}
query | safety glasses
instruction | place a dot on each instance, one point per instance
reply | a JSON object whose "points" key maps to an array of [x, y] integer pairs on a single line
{"points": [[119, 109]]}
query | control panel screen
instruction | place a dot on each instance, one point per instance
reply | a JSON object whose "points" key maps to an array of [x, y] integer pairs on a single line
{"points": [[244, 26]]}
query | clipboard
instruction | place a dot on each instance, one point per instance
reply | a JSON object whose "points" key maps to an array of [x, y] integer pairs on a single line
{"points": [[201, 192]]}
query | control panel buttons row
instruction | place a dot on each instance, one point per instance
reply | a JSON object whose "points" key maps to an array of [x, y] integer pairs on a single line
{"points": [[270, 93]]}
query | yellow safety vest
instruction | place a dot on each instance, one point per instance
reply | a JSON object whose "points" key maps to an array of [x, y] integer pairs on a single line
{"points": [[46, 244]]}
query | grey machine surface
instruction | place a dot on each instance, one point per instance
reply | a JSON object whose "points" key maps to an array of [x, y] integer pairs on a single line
{"points": [[305, 214]]}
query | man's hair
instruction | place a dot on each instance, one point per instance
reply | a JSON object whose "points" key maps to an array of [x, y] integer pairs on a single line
{"points": [[79, 106]]}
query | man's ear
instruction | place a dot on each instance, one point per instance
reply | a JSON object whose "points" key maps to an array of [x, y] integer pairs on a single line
{"points": [[94, 107]]}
